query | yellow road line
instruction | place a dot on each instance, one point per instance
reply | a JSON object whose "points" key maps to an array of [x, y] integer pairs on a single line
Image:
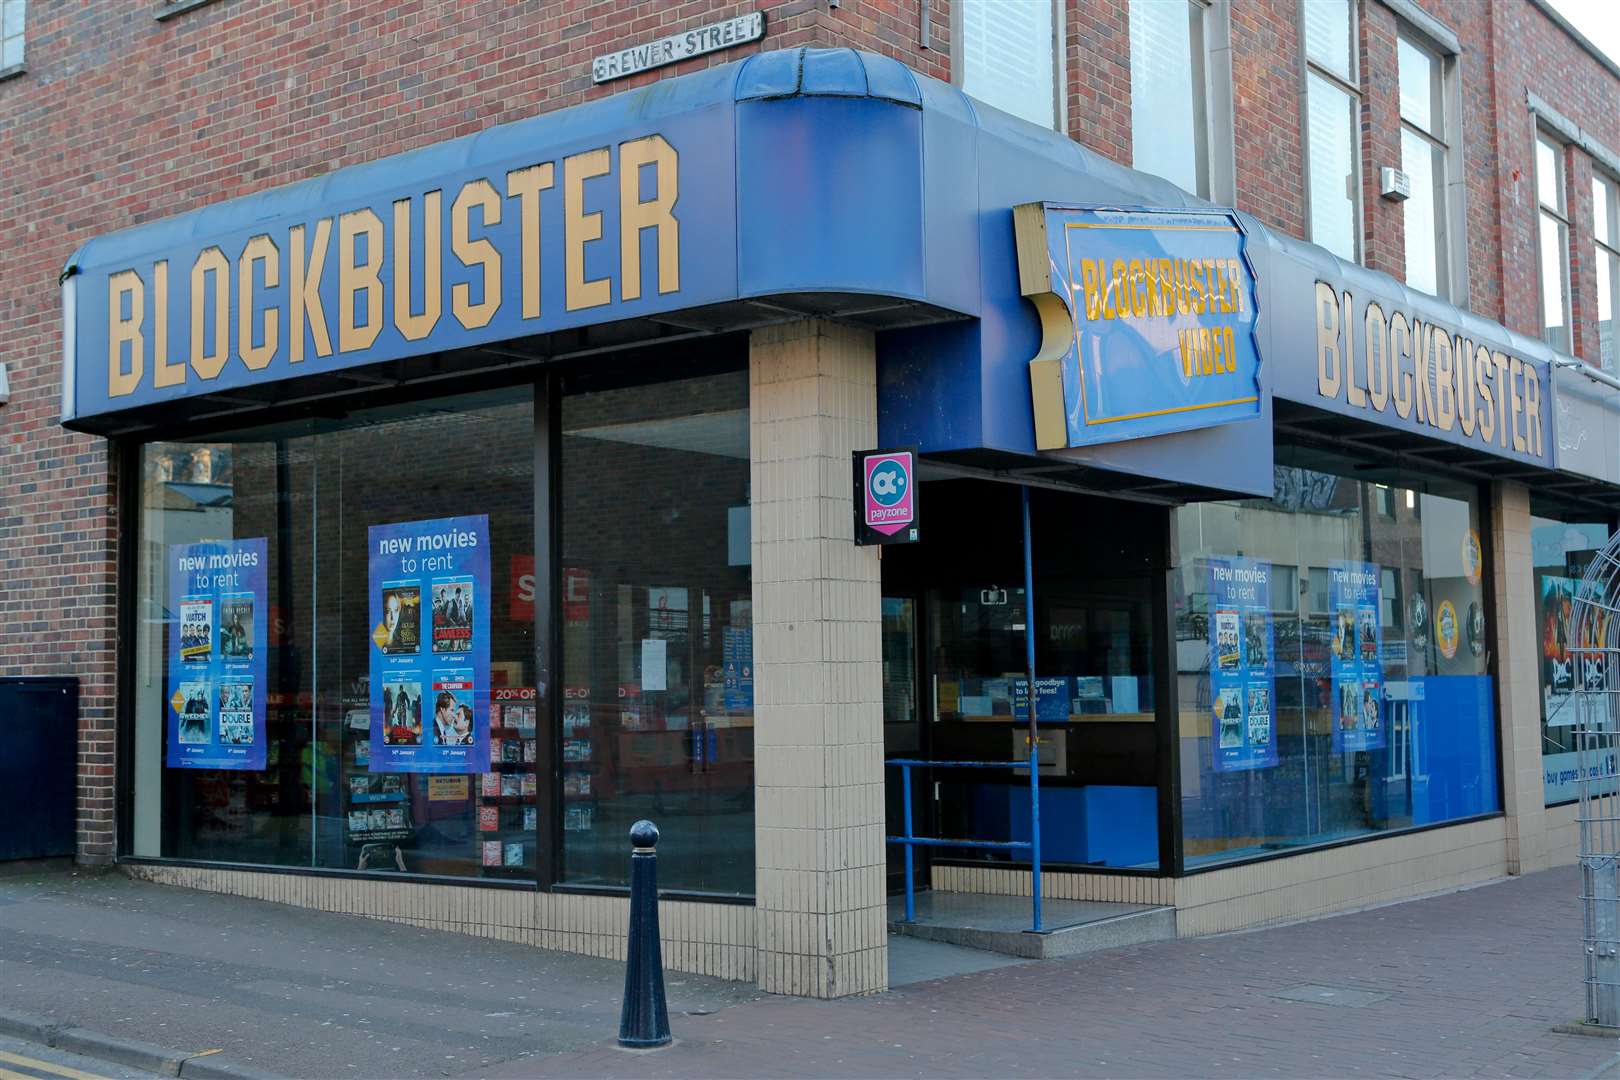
{"points": [[42, 1066]]}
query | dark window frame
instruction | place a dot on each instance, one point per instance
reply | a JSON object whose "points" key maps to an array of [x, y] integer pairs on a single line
{"points": [[629, 368]]}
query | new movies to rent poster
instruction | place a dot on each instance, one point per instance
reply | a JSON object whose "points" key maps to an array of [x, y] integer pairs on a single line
{"points": [[430, 702], [1241, 667], [217, 656], [1356, 649]]}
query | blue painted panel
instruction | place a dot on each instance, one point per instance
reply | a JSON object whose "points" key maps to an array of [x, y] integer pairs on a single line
{"points": [[1454, 737], [929, 391], [1063, 822], [829, 191], [1099, 824], [1122, 825]]}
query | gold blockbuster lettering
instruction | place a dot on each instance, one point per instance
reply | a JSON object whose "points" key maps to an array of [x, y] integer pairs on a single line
{"points": [[1167, 288], [248, 276], [1425, 373]]}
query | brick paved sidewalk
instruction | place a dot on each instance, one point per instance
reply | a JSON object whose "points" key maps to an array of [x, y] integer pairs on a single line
{"points": [[1466, 984]]}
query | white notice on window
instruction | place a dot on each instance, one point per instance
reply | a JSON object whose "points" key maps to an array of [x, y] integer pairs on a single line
{"points": [[653, 656]]}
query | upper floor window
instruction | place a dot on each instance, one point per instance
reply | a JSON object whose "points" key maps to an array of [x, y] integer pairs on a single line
{"points": [[1169, 100], [1553, 225], [13, 14], [1010, 56], [1332, 120], [1606, 228], [1423, 159]]}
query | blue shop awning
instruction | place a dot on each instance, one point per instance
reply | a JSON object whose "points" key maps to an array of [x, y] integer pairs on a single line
{"points": [[798, 183]]}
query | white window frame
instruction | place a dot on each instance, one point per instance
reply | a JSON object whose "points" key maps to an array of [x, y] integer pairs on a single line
{"points": [[1607, 247], [1560, 214], [1220, 146], [1422, 28], [1309, 67], [1060, 81], [1454, 281]]}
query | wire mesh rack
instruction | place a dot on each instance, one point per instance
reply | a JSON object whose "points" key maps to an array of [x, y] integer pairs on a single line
{"points": [[1591, 651]]}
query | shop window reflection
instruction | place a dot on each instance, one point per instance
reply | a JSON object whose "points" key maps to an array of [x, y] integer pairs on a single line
{"points": [[308, 492], [1383, 706], [1561, 549], [657, 631]]}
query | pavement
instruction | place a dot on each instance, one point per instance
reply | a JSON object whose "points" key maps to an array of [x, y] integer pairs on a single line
{"points": [[1464, 984]]}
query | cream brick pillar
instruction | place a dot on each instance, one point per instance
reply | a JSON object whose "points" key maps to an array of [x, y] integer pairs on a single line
{"points": [[818, 704], [1518, 691]]}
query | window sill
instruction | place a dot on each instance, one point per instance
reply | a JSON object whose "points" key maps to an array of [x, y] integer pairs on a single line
{"points": [[168, 9], [13, 71]]}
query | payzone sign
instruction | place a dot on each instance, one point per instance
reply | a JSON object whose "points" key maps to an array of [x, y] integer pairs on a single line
{"points": [[886, 496]]}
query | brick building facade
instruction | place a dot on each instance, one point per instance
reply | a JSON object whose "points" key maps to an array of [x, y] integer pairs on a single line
{"points": [[129, 113]]}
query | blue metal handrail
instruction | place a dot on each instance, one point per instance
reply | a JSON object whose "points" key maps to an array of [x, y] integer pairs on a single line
{"points": [[908, 841]]}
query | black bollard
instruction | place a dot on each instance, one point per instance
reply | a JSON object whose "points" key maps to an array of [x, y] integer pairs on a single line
{"points": [[644, 1021]]}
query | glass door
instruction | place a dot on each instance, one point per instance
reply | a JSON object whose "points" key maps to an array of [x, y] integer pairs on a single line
{"points": [[903, 737]]}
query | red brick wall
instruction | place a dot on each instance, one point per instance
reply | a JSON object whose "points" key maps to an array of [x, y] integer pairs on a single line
{"points": [[1098, 68], [1508, 48], [1534, 54], [1266, 73], [1383, 224], [121, 118]]}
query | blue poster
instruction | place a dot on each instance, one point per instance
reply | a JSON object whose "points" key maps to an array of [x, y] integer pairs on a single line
{"points": [[737, 665], [1357, 648], [1242, 663], [1052, 700], [217, 620], [430, 645]]}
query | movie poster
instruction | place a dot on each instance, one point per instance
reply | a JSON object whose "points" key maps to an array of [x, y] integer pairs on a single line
{"points": [[217, 661], [1557, 662], [1356, 648], [1242, 671], [429, 651]]}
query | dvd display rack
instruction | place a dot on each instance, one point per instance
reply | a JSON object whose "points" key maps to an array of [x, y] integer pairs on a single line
{"points": [[508, 806]]}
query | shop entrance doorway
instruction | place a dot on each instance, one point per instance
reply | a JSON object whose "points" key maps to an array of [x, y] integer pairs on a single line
{"points": [[904, 736], [957, 602]]}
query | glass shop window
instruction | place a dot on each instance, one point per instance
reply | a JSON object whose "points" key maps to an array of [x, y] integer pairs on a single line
{"points": [[334, 664], [1560, 551], [657, 631], [1369, 709]]}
